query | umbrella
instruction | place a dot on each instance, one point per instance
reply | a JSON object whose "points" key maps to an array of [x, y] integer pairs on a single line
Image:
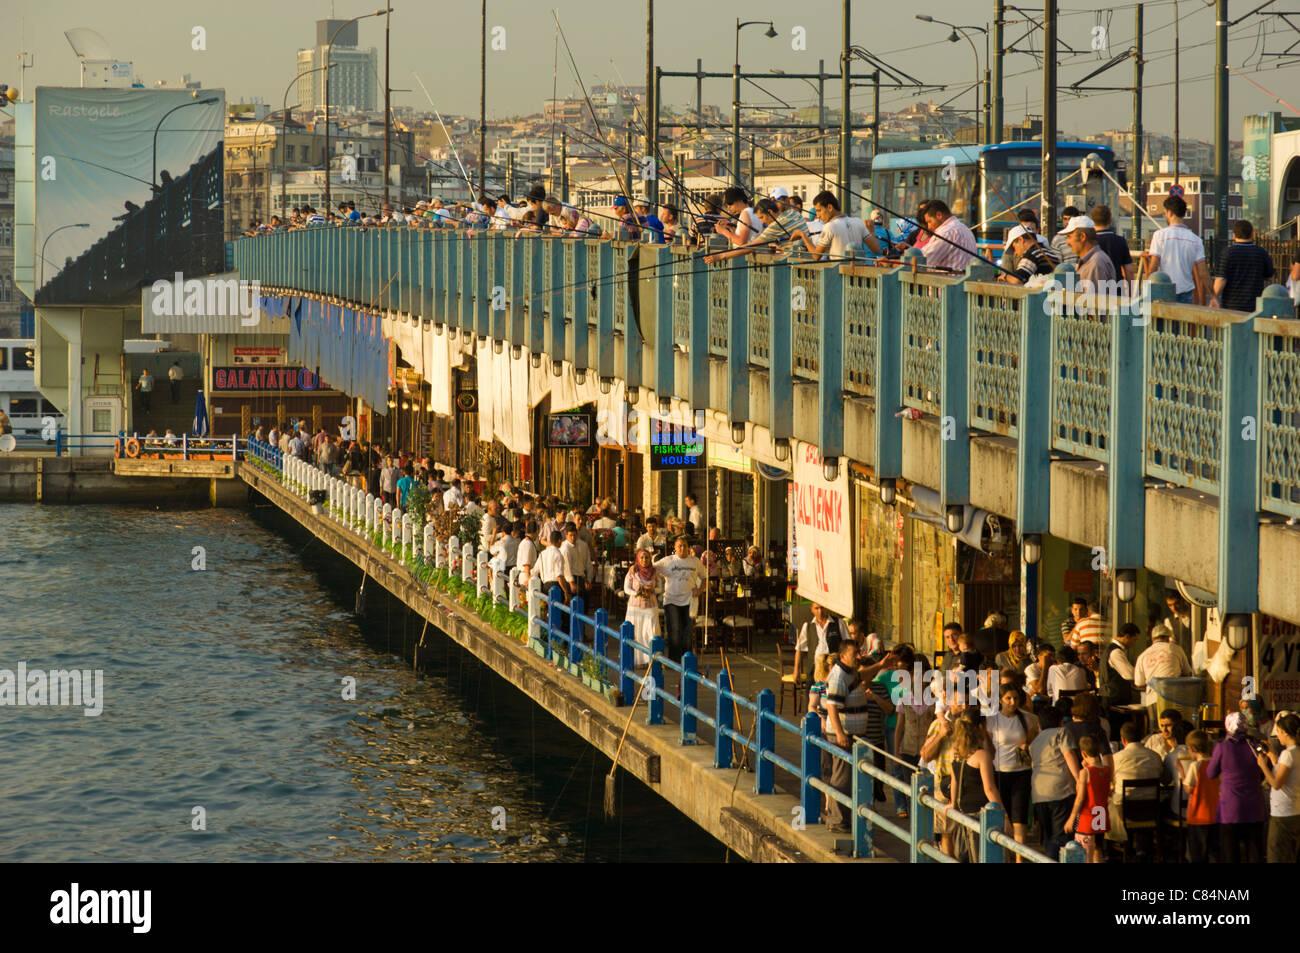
{"points": [[200, 415]]}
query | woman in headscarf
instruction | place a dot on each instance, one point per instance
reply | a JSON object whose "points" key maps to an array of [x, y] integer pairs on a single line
{"points": [[1241, 810], [1017, 655], [642, 609]]}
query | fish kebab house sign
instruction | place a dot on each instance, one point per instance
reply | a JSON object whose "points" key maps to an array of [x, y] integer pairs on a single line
{"points": [[819, 516]]}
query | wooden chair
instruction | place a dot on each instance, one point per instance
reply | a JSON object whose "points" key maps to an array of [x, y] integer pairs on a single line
{"points": [[789, 684], [1140, 807], [1173, 823]]}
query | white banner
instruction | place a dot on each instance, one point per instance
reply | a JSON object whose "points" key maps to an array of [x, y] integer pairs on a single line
{"points": [[823, 552]]}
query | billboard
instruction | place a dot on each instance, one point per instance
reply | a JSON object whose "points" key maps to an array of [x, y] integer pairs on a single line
{"points": [[674, 447], [571, 429], [128, 187]]}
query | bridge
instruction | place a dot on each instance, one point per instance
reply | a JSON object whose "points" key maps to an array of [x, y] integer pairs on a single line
{"points": [[1160, 435]]}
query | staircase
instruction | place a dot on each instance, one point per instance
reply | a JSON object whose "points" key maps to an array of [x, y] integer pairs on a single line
{"points": [[179, 417]]}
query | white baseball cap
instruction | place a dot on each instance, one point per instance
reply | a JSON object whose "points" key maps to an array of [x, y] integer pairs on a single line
{"points": [[1079, 221], [1019, 231], [778, 193]]}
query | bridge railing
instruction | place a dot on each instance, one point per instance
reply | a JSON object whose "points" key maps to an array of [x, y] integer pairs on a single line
{"points": [[609, 660], [1151, 380]]}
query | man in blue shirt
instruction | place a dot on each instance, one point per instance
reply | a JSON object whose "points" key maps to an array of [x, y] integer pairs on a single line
{"points": [[404, 485], [647, 220]]}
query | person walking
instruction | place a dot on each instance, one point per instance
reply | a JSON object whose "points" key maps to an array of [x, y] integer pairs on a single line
{"points": [[1012, 730], [1243, 270], [684, 579], [1241, 811], [642, 606], [974, 782], [1090, 816], [846, 715], [1179, 253], [174, 377], [145, 386], [1053, 781]]}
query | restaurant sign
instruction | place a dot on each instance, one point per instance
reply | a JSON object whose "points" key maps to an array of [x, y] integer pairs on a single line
{"points": [[265, 378]]}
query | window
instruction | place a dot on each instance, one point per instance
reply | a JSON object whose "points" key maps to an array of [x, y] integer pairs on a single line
{"points": [[102, 421], [1234, 213], [23, 406], [4, 358], [1208, 211], [48, 408]]}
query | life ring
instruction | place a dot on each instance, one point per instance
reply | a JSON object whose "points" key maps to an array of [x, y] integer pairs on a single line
{"points": [[133, 448], [117, 447]]}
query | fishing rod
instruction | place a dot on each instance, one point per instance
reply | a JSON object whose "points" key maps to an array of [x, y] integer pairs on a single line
{"points": [[448, 135]]}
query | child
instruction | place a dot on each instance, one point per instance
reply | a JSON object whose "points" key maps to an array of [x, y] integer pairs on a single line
{"points": [[1091, 801], [817, 690], [1202, 798]]}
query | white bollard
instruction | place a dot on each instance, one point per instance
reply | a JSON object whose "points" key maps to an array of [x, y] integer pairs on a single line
{"points": [[386, 521], [428, 542], [453, 555], [408, 536], [368, 512], [439, 554], [483, 577], [499, 586], [467, 562], [534, 606]]}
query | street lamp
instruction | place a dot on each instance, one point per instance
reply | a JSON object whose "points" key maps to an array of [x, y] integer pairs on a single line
{"points": [[153, 179], [47, 241], [952, 38], [328, 47], [284, 121], [735, 96]]}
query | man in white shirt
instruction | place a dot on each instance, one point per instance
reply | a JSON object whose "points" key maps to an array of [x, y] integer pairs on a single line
{"points": [[605, 521], [1180, 254], [650, 538], [1067, 675], [684, 579], [453, 497], [1133, 762], [526, 554], [841, 237], [578, 555], [554, 569], [505, 549], [693, 514], [1162, 659], [822, 624], [488, 527]]}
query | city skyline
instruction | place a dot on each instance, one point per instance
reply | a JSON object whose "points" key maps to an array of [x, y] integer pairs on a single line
{"points": [[609, 47]]}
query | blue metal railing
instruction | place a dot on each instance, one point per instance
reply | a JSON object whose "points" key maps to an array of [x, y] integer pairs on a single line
{"points": [[560, 635]]}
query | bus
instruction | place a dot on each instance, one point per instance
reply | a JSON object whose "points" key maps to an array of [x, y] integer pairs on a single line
{"points": [[985, 186], [31, 417]]}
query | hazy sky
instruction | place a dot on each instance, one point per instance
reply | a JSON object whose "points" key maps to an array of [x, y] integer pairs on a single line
{"points": [[251, 45]]}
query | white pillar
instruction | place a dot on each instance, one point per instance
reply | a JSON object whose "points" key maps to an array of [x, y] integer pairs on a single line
{"points": [[428, 542], [408, 535], [386, 517], [439, 554], [467, 562], [453, 555], [534, 606], [482, 580]]}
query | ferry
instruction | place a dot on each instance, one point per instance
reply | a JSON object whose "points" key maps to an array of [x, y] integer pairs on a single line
{"points": [[32, 418]]}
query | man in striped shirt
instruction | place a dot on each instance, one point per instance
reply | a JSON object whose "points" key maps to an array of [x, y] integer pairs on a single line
{"points": [[952, 244], [1088, 629], [846, 715]]}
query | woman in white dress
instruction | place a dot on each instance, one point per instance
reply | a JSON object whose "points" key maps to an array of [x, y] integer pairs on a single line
{"points": [[642, 607]]}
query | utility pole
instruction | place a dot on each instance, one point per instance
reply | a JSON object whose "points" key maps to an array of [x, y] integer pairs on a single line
{"points": [[999, 15], [1135, 177], [875, 115], [846, 133], [652, 107], [482, 111], [988, 104], [699, 93], [1048, 218], [1177, 99], [564, 166], [388, 15], [1221, 123], [510, 176]]}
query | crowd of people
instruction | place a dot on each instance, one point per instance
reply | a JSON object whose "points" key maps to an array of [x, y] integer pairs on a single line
{"points": [[1052, 735]]}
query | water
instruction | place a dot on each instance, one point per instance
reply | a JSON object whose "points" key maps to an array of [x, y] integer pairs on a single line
{"points": [[223, 691]]}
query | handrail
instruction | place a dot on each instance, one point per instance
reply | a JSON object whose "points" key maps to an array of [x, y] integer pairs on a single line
{"points": [[565, 627]]}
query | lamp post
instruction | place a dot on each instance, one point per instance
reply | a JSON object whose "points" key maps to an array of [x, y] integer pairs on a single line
{"points": [[735, 96], [284, 121], [208, 101], [47, 241], [953, 38], [328, 47]]}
